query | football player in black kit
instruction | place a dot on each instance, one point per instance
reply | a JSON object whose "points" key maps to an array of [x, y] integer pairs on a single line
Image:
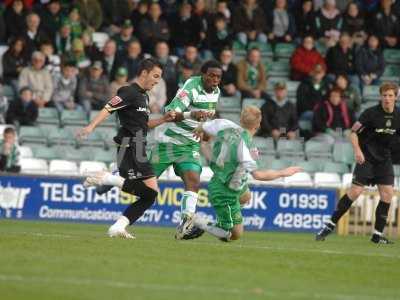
{"points": [[132, 106], [372, 138]]}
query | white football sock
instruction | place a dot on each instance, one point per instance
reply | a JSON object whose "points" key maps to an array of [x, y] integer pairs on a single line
{"points": [[121, 223], [211, 229], [114, 180], [189, 202], [377, 232]]}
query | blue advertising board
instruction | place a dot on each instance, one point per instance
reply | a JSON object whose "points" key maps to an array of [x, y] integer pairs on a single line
{"points": [[66, 199]]}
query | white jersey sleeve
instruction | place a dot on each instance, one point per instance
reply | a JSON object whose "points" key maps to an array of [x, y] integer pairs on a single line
{"points": [[214, 126], [244, 157]]}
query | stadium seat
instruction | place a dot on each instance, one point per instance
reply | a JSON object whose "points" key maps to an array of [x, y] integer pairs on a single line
{"points": [[346, 180], [252, 101], [25, 152], [310, 166], [335, 167], [392, 56], [290, 147], [91, 167], [105, 156], [391, 73], [343, 153], [108, 134], [61, 136], [206, 174], [63, 167], [73, 117], [284, 50], [328, 180], [94, 139], [234, 117], [229, 104], [48, 153], [279, 69], [371, 93], [396, 169], [111, 121], [278, 164], [48, 116], [81, 154], [317, 149], [265, 161], [301, 179], [305, 125], [367, 105], [34, 166], [32, 135], [265, 146], [9, 92]]}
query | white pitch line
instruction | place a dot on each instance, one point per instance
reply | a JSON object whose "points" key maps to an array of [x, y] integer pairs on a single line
{"points": [[181, 288]]}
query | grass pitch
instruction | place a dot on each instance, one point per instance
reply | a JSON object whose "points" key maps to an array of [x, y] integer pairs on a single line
{"points": [[77, 261]]}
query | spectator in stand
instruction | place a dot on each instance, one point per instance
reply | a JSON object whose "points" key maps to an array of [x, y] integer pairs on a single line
{"points": [[53, 61], [153, 28], [91, 50], [131, 59], [386, 25], [202, 18], [185, 29], [14, 60], [65, 86], [191, 56], [158, 97], [33, 35], [304, 59], [249, 22], [332, 118], [10, 154], [23, 111], [94, 89], [169, 73], [350, 94], [354, 23], [74, 19], [109, 58], [38, 79], [229, 75], [125, 37], [63, 39], [3, 105], [219, 36], [77, 55], [311, 91], [91, 13], [340, 59], [51, 17], [121, 79], [370, 63], [114, 13], [305, 19], [328, 23], [15, 19], [252, 77], [223, 8], [185, 73], [282, 24], [139, 13], [279, 116], [3, 32]]}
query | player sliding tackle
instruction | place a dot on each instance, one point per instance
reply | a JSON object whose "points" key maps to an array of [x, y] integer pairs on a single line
{"points": [[231, 163]]}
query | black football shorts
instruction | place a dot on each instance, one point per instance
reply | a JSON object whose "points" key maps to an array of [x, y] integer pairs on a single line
{"points": [[370, 173]]}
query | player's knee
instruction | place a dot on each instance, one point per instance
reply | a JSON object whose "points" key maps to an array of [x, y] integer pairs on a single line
{"points": [[354, 192], [245, 198], [192, 182], [386, 195]]}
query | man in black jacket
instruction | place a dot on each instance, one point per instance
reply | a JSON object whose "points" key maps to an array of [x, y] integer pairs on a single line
{"points": [[23, 111], [229, 74], [279, 117]]}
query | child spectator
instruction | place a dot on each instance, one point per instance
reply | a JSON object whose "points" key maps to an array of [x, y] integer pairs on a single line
{"points": [[10, 155], [23, 111]]}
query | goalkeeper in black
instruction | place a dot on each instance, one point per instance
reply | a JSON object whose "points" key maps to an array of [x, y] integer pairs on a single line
{"points": [[372, 138]]}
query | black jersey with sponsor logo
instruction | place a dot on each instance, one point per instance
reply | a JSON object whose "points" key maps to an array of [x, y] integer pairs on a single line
{"points": [[377, 131], [132, 106]]}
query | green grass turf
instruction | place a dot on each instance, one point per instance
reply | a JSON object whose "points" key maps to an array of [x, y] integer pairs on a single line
{"points": [[77, 261]]}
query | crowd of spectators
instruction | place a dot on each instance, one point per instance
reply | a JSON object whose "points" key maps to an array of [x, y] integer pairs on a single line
{"points": [[53, 61]]}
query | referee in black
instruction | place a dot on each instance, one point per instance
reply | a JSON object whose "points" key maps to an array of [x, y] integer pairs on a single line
{"points": [[372, 137], [136, 173]]}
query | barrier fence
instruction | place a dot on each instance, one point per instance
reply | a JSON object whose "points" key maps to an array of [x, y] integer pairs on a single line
{"points": [[270, 208]]}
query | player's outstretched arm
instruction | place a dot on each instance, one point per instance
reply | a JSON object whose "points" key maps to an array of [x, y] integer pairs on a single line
{"points": [[169, 116], [100, 117], [265, 175]]}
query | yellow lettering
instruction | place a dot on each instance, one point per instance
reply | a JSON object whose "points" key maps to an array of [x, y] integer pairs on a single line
{"points": [[202, 201]]}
